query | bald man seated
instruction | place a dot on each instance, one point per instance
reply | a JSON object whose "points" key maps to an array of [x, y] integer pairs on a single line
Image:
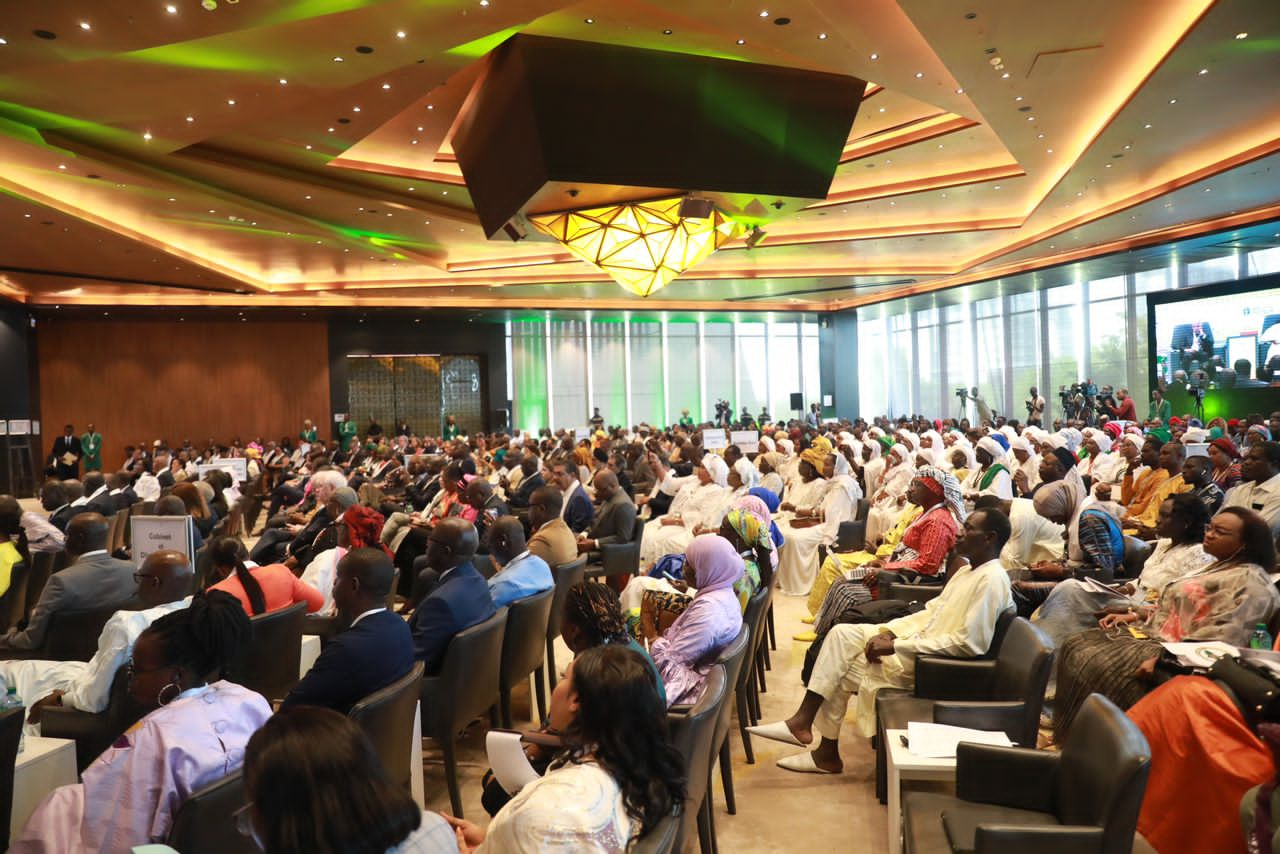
{"points": [[518, 572], [461, 597], [615, 519], [94, 580], [373, 651], [163, 581]]}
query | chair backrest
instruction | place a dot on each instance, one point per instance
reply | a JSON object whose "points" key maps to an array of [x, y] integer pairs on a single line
{"points": [[203, 823], [10, 734], [269, 662], [387, 717], [753, 620], [43, 565], [566, 576], [467, 685], [1022, 673], [732, 659], [73, 635], [1136, 552], [691, 734], [863, 510], [523, 642], [623, 558], [851, 536], [115, 530], [1102, 775], [1003, 622]]}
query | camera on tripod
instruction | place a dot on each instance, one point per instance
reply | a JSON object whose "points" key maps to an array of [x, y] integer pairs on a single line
{"points": [[962, 393]]}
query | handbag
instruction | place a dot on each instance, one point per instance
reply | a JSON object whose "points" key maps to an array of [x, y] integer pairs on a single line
{"points": [[1256, 688]]}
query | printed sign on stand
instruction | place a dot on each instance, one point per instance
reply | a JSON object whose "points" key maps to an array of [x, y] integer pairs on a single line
{"points": [[162, 533]]}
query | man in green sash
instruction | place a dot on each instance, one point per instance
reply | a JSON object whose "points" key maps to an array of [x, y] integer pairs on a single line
{"points": [[91, 446]]}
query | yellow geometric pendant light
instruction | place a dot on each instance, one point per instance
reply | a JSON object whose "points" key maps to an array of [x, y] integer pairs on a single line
{"points": [[641, 245]]}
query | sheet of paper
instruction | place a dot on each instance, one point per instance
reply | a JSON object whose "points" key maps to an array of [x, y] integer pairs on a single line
{"points": [[1201, 654], [714, 440], [938, 741], [506, 757], [1097, 586]]}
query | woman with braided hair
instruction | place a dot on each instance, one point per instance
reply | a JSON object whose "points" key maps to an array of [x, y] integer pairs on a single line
{"points": [[359, 528], [193, 734], [260, 589]]}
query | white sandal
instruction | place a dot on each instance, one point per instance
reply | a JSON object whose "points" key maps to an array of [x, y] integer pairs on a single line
{"points": [[776, 731], [802, 763]]}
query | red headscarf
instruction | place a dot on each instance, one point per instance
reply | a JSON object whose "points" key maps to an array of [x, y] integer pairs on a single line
{"points": [[364, 527], [1222, 443]]}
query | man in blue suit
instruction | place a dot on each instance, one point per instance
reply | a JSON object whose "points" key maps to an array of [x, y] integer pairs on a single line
{"points": [[461, 597], [374, 651], [577, 510]]}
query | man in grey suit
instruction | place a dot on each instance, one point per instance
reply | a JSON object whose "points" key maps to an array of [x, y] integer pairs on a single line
{"points": [[94, 580], [615, 520]]}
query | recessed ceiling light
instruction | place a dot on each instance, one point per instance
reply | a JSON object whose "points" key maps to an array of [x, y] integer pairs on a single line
{"points": [[413, 142], [355, 109], [1208, 189], [62, 166], [919, 74], [875, 56], [171, 9], [1173, 100], [386, 85], [337, 59], [308, 148], [399, 34], [172, 199], [742, 41], [3, 41], [306, 197], [821, 36], [1018, 98], [231, 102], [284, 82], [1146, 127], [764, 13], [1039, 136], [84, 25], [588, 20], [960, 91], [1106, 165], [1204, 71], [1049, 151], [996, 187], [1004, 76], [191, 118], [666, 32], [1242, 35], [882, 109], [419, 128], [147, 136], [1031, 118], [431, 106], [484, 2], [330, 130], [444, 192], [411, 189], [1127, 146]]}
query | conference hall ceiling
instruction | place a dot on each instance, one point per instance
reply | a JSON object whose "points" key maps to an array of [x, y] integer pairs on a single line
{"points": [[262, 153]]}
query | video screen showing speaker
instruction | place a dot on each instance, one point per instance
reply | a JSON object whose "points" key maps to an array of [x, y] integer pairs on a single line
{"points": [[1230, 340]]}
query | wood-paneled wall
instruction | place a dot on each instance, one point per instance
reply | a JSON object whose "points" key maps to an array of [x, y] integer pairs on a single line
{"points": [[139, 380]]}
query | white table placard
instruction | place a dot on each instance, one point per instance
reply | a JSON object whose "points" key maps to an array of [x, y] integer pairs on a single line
{"points": [[237, 467], [42, 766], [747, 440], [714, 440], [162, 533]]}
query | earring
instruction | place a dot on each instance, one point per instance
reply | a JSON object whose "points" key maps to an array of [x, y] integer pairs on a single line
{"points": [[160, 698]]}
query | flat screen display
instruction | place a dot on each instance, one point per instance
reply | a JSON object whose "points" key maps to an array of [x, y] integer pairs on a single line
{"points": [[1219, 342]]}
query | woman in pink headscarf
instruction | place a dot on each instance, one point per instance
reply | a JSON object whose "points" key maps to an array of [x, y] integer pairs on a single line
{"points": [[684, 653]]}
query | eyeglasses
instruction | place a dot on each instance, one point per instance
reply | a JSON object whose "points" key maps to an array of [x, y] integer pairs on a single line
{"points": [[140, 577]]}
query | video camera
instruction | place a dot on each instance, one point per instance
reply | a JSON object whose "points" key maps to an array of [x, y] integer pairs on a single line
{"points": [[962, 393]]}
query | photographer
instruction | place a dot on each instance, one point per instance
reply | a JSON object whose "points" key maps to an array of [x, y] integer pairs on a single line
{"points": [[1035, 408], [985, 415]]}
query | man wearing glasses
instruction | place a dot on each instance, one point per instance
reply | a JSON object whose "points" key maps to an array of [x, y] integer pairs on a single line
{"points": [[164, 580]]}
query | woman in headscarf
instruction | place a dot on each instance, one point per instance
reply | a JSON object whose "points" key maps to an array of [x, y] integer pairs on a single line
{"points": [[686, 650], [789, 471], [768, 464], [922, 551], [798, 559], [771, 503], [1095, 542], [1025, 465], [992, 475], [961, 459], [873, 465], [891, 492], [699, 504], [1100, 465], [803, 498], [1226, 463], [743, 477], [1221, 602]]}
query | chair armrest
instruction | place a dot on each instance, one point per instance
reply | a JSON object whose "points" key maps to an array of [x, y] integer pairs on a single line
{"points": [[680, 709], [1007, 776], [1062, 839], [65, 722], [11, 654], [1001, 715], [942, 678]]}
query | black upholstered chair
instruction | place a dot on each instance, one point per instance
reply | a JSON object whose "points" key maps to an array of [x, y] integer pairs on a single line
{"points": [[1005, 693], [522, 654], [465, 689], [205, 823], [269, 663], [14, 599], [732, 658], [1136, 552], [747, 685], [10, 735], [619, 558], [1082, 800], [566, 576], [662, 839], [862, 510], [94, 733], [71, 636], [386, 716], [692, 733]]}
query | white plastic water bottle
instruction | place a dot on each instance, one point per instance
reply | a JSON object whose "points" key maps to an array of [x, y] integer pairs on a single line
{"points": [[13, 701]]}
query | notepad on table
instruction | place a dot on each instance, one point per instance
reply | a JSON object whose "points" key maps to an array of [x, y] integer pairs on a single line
{"points": [[938, 741]]}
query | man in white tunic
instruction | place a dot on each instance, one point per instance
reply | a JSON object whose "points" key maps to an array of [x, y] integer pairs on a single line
{"points": [[163, 582], [861, 659]]}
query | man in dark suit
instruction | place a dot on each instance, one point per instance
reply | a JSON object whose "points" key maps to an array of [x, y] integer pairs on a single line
{"points": [[532, 480], [53, 498], [97, 497], [461, 597], [64, 458], [578, 511], [94, 580], [616, 520], [375, 650], [488, 506]]}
